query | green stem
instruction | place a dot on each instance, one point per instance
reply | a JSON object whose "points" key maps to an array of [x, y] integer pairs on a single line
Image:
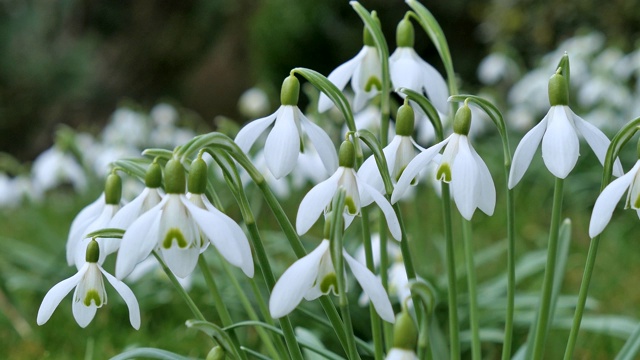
{"points": [[454, 332], [511, 274], [384, 276], [476, 352], [225, 317], [192, 305], [547, 289], [376, 332]]}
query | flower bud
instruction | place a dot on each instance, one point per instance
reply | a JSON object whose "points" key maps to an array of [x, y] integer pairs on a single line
{"points": [[367, 37], [217, 353], [198, 176], [462, 120], [290, 91], [93, 252], [346, 155], [405, 334], [153, 177], [174, 177], [405, 34], [405, 120], [113, 189], [558, 90]]}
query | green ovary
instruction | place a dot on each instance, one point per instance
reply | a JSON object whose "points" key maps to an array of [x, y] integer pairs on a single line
{"points": [[92, 295], [174, 234], [328, 282]]}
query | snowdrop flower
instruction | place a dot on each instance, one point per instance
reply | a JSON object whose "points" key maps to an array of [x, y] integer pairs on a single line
{"points": [[314, 275], [401, 354], [94, 217], [148, 198], [283, 143], [471, 183], [606, 202], [400, 151], [365, 73], [405, 338], [558, 132], [408, 70], [358, 192], [90, 293], [180, 230], [54, 167]]}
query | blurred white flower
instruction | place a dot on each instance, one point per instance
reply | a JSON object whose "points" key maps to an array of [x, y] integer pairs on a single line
{"points": [[254, 103], [127, 127], [54, 167], [497, 67]]}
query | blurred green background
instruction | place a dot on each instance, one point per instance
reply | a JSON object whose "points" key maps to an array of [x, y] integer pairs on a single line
{"points": [[73, 62]]}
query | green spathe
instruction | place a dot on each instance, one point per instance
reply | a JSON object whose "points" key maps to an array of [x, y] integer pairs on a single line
{"points": [[113, 189], [174, 177], [405, 334], [558, 90], [346, 155], [153, 177], [290, 91], [405, 34], [462, 120], [198, 176], [405, 120]]}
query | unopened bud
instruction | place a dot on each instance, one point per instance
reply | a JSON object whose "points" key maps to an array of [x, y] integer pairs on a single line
{"points": [[405, 333], [558, 90]]}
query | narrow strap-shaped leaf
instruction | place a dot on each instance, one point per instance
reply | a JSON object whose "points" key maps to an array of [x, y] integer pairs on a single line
{"points": [[111, 233], [158, 153], [133, 167], [150, 353], [631, 347], [372, 142], [219, 334]]}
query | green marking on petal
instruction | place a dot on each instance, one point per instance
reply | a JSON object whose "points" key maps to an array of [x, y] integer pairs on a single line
{"points": [[329, 282], [444, 173], [636, 203], [174, 234], [350, 205], [92, 295], [372, 82]]}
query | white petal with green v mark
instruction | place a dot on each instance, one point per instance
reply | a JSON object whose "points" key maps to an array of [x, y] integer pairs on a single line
{"points": [[340, 77], [252, 131], [611, 195]]}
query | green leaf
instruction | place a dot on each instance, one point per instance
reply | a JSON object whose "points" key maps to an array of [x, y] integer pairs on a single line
{"points": [[150, 353], [631, 347], [219, 334], [133, 167], [372, 142], [158, 153]]}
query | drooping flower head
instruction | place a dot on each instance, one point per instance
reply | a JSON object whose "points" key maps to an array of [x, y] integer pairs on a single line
{"points": [[358, 194], [364, 71], [460, 165], [558, 131], [90, 293], [289, 125], [180, 230], [314, 275], [611, 195]]}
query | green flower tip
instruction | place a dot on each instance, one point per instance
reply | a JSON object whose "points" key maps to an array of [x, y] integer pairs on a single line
{"points": [[290, 90], [367, 37], [405, 120], [346, 155], [462, 120], [93, 252], [174, 177], [405, 334], [405, 34], [198, 176], [153, 177], [558, 90], [217, 353], [113, 189]]}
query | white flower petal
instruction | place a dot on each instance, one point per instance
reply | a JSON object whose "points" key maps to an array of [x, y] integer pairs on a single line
{"points": [[413, 169], [295, 282], [606, 202], [435, 86], [321, 141], [250, 132], [485, 189], [316, 200], [464, 179], [560, 146], [214, 226], [340, 77], [130, 212], [372, 286], [128, 297], [525, 151], [83, 314], [55, 295], [385, 206], [79, 224], [401, 354], [404, 70], [283, 144], [597, 140], [138, 241], [181, 261]]}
